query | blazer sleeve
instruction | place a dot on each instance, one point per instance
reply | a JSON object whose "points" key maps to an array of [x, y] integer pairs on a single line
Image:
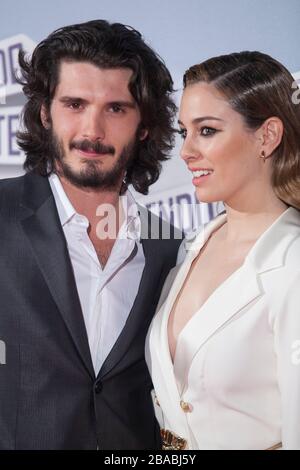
{"points": [[287, 346]]}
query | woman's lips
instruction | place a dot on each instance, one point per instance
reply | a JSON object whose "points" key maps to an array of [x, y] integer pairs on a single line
{"points": [[198, 180], [200, 176]]}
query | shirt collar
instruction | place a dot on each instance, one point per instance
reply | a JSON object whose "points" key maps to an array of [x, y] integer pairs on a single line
{"points": [[64, 207], [131, 228]]}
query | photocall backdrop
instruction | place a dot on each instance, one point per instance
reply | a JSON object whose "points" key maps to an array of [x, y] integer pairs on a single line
{"points": [[183, 33]]}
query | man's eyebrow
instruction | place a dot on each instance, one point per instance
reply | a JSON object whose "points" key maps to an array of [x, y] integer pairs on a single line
{"points": [[67, 99], [203, 118], [124, 103]]}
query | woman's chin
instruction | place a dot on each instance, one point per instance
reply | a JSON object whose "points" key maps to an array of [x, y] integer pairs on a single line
{"points": [[205, 197]]}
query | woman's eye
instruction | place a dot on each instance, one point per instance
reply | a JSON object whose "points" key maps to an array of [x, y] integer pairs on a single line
{"points": [[204, 131], [182, 133], [207, 131]]}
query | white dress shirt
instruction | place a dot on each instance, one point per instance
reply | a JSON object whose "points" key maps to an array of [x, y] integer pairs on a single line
{"points": [[106, 294]]}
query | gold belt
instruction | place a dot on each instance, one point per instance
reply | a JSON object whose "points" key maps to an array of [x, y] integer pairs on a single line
{"points": [[276, 446], [171, 441]]}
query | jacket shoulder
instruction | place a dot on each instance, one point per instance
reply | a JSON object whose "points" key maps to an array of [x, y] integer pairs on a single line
{"points": [[7, 184], [10, 192]]}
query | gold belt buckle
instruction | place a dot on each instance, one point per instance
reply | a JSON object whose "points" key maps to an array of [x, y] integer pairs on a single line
{"points": [[171, 441], [275, 447]]}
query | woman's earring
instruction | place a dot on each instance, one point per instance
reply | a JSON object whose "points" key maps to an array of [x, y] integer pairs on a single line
{"points": [[263, 156]]}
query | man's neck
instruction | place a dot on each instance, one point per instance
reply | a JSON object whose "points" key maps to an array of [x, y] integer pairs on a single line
{"points": [[86, 201], [100, 207]]}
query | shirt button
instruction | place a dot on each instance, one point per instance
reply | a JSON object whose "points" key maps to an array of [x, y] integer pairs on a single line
{"points": [[98, 387], [185, 406]]}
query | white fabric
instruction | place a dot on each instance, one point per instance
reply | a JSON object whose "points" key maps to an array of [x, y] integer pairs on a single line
{"points": [[237, 360], [106, 295]]}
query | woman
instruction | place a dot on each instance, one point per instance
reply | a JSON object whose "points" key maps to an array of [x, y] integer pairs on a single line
{"points": [[224, 346]]}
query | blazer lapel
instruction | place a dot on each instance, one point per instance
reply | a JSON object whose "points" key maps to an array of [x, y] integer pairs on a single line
{"points": [[234, 294], [193, 247], [154, 234], [170, 379], [163, 374], [141, 313], [43, 230]]}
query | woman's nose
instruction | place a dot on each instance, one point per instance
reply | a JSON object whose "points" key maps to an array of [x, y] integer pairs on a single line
{"points": [[189, 151]]}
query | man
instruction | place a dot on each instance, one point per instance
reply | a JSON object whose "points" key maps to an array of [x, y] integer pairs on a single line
{"points": [[76, 304]]}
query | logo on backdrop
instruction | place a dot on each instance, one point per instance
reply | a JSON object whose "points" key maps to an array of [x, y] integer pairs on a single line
{"points": [[11, 97], [180, 207], [2, 353]]}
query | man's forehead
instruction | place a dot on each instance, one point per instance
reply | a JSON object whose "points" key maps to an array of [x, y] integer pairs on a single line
{"points": [[88, 78], [89, 69]]}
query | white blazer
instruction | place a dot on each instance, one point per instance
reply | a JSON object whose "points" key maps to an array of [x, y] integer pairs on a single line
{"points": [[237, 361]]}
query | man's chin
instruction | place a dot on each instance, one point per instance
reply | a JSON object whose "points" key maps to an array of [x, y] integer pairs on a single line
{"points": [[92, 178]]}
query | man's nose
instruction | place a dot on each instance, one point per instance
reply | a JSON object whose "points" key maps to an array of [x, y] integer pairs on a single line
{"points": [[94, 126]]}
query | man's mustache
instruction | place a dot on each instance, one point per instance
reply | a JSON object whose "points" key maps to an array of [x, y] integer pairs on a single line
{"points": [[96, 147]]}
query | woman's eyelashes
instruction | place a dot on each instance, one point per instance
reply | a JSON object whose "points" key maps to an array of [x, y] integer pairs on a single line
{"points": [[182, 132], [207, 131], [204, 131]]}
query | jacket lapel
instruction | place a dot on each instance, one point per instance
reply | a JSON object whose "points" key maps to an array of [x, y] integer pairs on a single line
{"points": [[214, 315], [154, 234], [162, 372], [160, 361], [43, 230], [192, 246], [142, 310]]}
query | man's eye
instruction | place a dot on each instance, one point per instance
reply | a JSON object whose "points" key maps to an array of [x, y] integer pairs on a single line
{"points": [[74, 105], [116, 108], [182, 133], [207, 131]]}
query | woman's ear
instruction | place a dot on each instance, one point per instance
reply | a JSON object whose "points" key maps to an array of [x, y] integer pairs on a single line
{"points": [[271, 134], [44, 115]]}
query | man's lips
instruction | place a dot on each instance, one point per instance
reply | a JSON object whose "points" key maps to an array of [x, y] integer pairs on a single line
{"points": [[92, 153], [92, 149]]}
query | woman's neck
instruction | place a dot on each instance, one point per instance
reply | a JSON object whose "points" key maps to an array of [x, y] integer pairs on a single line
{"points": [[248, 224]]}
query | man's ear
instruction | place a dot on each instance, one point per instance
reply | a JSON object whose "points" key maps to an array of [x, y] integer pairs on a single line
{"points": [[44, 115], [143, 133]]}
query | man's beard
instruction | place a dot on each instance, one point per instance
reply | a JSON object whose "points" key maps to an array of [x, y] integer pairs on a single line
{"points": [[91, 175]]}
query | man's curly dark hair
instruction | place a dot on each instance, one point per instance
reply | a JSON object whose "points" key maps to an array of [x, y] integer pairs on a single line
{"points": [[106, 46]]}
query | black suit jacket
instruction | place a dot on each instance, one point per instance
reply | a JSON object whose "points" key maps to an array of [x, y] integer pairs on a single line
{"points": [[49, 395]]}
